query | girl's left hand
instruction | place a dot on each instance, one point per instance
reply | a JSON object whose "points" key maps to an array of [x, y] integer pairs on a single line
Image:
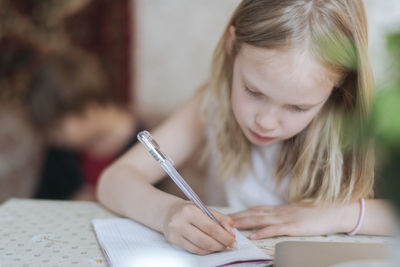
{"points": [[289, 220]]}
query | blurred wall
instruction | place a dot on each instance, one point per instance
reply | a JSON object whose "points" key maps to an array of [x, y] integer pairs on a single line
{"points": [[174, 43], [175, 40]]}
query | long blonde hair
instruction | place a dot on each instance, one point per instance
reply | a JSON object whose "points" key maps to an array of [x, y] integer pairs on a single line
{"points": [[327, 161]]}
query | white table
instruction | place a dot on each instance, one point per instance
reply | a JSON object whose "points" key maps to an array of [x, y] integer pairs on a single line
{"points": [[59, 233]]}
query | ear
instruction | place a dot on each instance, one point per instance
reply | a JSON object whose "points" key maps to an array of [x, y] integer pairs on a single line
{"points": [[230, 39]]}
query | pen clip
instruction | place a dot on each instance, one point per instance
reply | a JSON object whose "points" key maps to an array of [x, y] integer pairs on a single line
{"points": [[153, 147]]}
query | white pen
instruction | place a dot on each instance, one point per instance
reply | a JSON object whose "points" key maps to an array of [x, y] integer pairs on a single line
{"points": [[166, 163]]}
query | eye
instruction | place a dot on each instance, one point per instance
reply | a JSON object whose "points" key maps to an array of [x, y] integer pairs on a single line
{"points": [[252, 93], [298, 109]]}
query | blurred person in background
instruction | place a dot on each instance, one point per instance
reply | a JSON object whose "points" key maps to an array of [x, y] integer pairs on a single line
{"points": [[20, 144], [29, 29], [39, 22], [70, 102], [19, 154]]}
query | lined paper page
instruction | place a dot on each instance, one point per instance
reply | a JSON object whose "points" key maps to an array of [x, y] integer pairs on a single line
{"points": [[125, 241]]}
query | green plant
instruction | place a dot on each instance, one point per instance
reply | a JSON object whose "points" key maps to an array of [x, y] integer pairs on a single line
{"points": [[386, 125]]}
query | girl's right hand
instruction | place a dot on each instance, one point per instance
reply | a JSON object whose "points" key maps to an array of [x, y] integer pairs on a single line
{"points": [[188, 227]]}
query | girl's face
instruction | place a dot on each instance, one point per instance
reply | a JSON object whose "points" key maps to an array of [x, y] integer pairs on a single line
{"points": [[276, 93]]}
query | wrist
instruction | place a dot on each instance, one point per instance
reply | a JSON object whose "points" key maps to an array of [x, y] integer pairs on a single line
{"points": [[349, 216], [168, 210]]}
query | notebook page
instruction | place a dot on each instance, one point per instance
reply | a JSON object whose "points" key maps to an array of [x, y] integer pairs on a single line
{"points": [[124, 240]]}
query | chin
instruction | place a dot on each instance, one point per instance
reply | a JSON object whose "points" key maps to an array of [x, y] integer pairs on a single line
{"points": [[265, 143]]}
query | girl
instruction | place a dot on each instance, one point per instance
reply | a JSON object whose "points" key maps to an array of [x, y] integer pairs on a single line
{"points": [[286, 78]]}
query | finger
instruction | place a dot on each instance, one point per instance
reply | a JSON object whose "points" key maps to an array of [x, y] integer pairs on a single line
{"points": [[257, 221], [263, 208], [252, 212], [212, 229], [201, 239], [271, 231], [225, 220], [227, 223], [189, 246]]}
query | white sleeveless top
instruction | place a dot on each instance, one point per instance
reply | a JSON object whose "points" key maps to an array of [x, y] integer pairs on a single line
{"points": [[257, 188]]}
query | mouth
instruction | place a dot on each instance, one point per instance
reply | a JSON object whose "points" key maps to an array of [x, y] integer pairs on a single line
{"points": [[261, 138]]}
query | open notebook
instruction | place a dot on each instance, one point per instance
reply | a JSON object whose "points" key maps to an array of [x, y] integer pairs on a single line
{"points": [[127, 243]]}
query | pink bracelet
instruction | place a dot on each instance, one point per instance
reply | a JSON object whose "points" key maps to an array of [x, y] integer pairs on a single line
{"points": [[360, 219]]}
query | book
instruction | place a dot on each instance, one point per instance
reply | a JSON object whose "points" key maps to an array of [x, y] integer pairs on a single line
{"points": [[128, 243]]}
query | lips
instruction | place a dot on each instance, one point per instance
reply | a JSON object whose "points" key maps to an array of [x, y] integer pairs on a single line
{"points": [[261, 138]]}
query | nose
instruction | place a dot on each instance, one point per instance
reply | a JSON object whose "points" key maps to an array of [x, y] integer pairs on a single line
{"points": [[266, 121]]}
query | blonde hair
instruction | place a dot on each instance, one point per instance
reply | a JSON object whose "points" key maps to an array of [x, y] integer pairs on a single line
{"points": [[327, 161]]}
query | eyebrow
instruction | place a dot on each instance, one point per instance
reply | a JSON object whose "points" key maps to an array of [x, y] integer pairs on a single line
{"points": [[250, 86]]}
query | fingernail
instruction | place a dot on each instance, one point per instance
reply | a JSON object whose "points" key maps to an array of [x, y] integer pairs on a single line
{"points": [[235, 244], [253, 236], [232, 231]]}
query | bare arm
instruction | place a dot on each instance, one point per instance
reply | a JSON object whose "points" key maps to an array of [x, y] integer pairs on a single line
{"points": [[127, 187], [127, 184], [300, 219], [379, 218]]}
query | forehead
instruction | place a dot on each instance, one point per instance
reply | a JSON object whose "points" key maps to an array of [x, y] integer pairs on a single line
{"points": [[294, 72]]}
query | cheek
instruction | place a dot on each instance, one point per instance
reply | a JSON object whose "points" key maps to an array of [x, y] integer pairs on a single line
{"points": [[294, 124], [240, 106]]}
